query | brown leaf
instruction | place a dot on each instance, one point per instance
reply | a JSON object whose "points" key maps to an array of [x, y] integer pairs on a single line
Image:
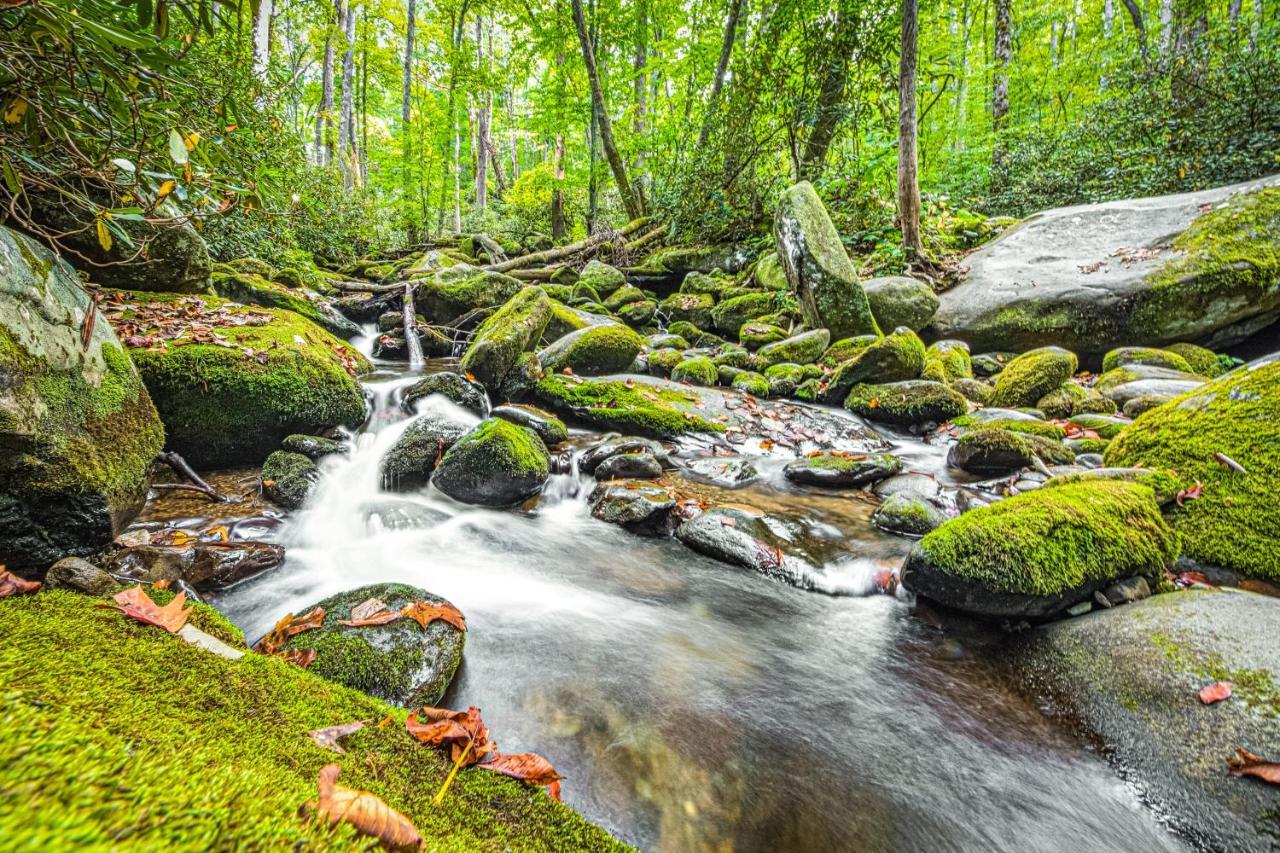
{"points": [[369, 613], [1245, 763], [1216, 692], [163, 583], [136, 604], [11, 584], [463, 732], [301, 658], [289, 627], [327, 738], [424, 614], [364, 811], [526, 766], [1189, 494]]}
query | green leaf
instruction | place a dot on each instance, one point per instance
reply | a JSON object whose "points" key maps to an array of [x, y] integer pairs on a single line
{"points": [[177, 148], [11, 179], [124, 165], [137, 41]]}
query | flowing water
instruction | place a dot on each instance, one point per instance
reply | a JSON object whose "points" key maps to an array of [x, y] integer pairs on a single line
{"points": [[693, 705]]}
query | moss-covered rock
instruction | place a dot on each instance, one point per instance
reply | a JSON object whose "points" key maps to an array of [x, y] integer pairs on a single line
{"points": [[624, 295], [467, 393], [906, 403], [227, 405], [808, 390], [840, 469], [694, 335], [453, 291], [663, 361], [78, 430], [407, 466], [756, 334], [1200, 360], [1040, 552], [638, 314], [547, 426], [843, 350], [732, 356], [729, 316], [496, 464], [817, 266], [698, 370], [1023, 426], [1032, 375], [974, 390], [990, 363], [692, 308], [313, 447], [908, 515], [1163, 483], [769, 273], [637, 409], [896, 357], [1232, 524], [952, 358], [1106, 426], [514, 329], [288, 478], [249, 289], [992, 450], [804, 348], [751, 383], [601, 277], [593, 351], [899, 300], [712, 283], [1144, 355]]}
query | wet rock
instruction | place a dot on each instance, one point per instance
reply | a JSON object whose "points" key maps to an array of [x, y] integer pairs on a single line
{"points": [[912, 484], [1128, 591], [842, 470], [728, 473], [1089, 460], [1128, 678], [204, 565], [614, 445], [897, 357], [908, 515], [465, 392], [496, 464], [1036, 554], [1121, 395], [994, 450], [593, 351], [288, 478], [400, 662], [899, 300], [804, 348], [991, 363], [520, 382], [696, 371], [312, 446], [80, 575], [640, 465], [78, 430], [513, 329], [817, 267], [1032, 375], [742, 539], [407, 466], [1135, 406], [906, 403], [636, 505], [549, 428]]}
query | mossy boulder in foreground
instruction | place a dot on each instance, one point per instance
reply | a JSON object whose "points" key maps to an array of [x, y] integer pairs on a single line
{"points": [[227, 405], [101, 716], [496, 464], [633, 407], [400, 662], [498, 343], [817, 266], [594, 350], [78, 431], [1038, 553], [1233, 523], [905, 403]]}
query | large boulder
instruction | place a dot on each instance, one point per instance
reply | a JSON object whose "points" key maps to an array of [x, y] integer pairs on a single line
{"points": [[899, 300], [400, 662], [601, 277], [448, 294], [1038, 553], [817, 266], [501, 339], [78, 431], [496, 464], [408, 464], [593, 351], [896, 357], [905, 404], [627, 406], [1094, 277], [231, 382], [1235, 417], [804, 348], [250, 289]]}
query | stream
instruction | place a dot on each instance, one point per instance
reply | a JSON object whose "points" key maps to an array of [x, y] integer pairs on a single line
{"points": [[693, 705]]}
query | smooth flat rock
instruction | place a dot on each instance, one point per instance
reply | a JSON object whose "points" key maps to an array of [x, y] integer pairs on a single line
{"points": [[1074, 277]]}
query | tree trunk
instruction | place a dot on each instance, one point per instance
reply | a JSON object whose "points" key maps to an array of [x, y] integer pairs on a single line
{"points": [[362, 159], [1108, 17], [1139, 25], [640, 86], [830, 103], [346, 121], [629, 200], [908, 181], [1000, 86], [324, 118], [262, 39], [558, 224], [406, 115], [722, 68], [481, 150]]}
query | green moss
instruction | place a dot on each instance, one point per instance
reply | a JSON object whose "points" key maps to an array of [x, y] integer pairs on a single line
{"points": [[1049, 541], [1104, 425], [250, 289], [808, 390], [751, 383], [845, 349], [1163, 483], [896, 357], [1032, 375], [640, 409], [804, 348], [974, 390], [693, 334], [729, 316], [118, 735], [906, 403], [736, 357], [1255, 687], [1088, 445], [606, 348], [988, 442], [499, 341], [1061, 402], [203, 617], [692, 308], [1233, 524], [663, 361], [952, 357], [1201, 361], [451, 292], [1144, 355], [699, 370], [1025, 427], [1229, 257], [756, 334], [222, 406], [522, 450]]}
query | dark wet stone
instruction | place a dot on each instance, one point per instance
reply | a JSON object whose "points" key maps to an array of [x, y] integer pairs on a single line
{"points": [[80, 575], [497, 464], [641, 465], [612, 445], [204, 565], [410, 461], [288, 478], [465, 392], [743, 539], [312, 446], [548, 427], [728, 473], [401, 662], [842, 470], [907, 515], [636, 505]]}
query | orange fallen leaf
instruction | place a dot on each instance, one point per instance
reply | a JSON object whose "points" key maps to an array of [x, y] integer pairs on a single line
{"points": [[471, 377], [289, 627], [302, 658], [369, 613], [327, 738], [366, 812], [527, 767], [11, 584], [424, 614], [1216, 692], [463, 732], [1245, 763], [136, 604], [1189, 494], [874, 403]]}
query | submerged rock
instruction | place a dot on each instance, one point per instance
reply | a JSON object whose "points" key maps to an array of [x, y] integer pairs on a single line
{"points": [[1036, 554], [747, 540], [78, 430], [818, 268], [636, 505], [400, 662], [204, 565], [496, 464], [731, 473]]}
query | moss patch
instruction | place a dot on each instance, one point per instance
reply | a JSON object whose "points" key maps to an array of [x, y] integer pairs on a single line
{"points": [[1032, 375], [1145, 355], [699, 370], [118, 734], [637, 409]]}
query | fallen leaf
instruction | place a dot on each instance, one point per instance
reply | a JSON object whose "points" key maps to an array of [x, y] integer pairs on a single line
{"points": [[301, 658], [1216, 692], [289, 627], [366, 812], [136, 604], [163, 583], [11, 584], [462, 732], [327, 738], [1189, 494], [1245, 763], [369, 613], [424, 614], [527, 767]]}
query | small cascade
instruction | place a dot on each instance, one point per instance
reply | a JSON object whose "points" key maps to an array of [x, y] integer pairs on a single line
{"points": [[416, 361]]}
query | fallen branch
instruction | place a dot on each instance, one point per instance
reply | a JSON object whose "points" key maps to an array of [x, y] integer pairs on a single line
{"points": [[558, 252], [1226, 460], [182, 469], [646, 238], [538, 274], [365, 287]]}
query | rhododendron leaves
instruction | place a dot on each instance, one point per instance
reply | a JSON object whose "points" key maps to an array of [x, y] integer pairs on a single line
{"points": [[366, 812], [136, 604], [424, 614]]}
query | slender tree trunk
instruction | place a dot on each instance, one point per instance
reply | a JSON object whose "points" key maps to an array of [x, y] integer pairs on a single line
{"points": [[1108, 17], [346, 121], [1139, 25], [629, 200], [1000, 86], [406, 116], [962, 86], [722, 68], [324, 118], [480, 150], [908, 181], [262, 39], [640, 86], [830, 102], [558, 224], [362, 173], [1166, 26]]}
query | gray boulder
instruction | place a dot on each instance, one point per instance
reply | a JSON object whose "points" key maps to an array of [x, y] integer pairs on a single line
{"points": [[899, 300]]}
